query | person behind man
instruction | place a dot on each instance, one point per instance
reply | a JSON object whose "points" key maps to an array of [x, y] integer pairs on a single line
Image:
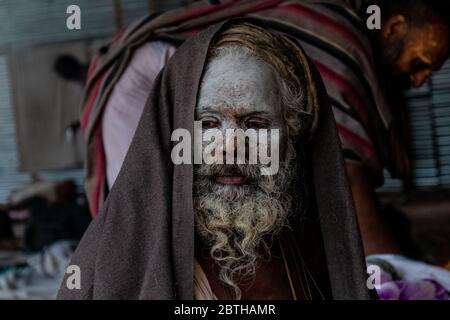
{"points": [[352, 61], [218, 230], [412, 44]]}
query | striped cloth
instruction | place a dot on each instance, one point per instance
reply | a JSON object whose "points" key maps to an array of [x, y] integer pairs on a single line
{"points": [[332, 35]]}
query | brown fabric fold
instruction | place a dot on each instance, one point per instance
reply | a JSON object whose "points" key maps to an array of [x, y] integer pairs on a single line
{"points": [[142, 244]]}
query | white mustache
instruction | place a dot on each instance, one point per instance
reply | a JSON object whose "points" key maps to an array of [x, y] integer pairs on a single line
{"points": [[250, 171]]}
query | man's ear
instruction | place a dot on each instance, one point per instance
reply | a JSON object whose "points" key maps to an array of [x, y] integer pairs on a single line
{"points": [[395, 27]]}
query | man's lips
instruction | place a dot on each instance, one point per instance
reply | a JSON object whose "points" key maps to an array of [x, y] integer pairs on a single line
{"points": [[231, 180]]}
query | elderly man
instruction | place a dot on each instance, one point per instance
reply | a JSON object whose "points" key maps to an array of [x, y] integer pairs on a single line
{"points": [[220, 230]]}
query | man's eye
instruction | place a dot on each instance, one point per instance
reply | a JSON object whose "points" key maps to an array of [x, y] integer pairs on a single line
{"points": [[210, 124], [417, 65], [257, 124]]}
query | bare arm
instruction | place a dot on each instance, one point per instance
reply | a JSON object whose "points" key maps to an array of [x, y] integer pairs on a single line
{"points": [[376, 235]]}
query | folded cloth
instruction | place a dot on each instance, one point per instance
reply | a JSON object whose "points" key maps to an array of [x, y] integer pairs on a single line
{"points": [[406, 279]]}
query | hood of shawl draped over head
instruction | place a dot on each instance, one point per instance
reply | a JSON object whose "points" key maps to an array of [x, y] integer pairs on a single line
{"points": [[254, 79], [142, 244]]}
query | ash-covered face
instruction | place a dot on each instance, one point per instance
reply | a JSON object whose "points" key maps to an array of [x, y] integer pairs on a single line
{"points": [[239, 92], [235, 205]]}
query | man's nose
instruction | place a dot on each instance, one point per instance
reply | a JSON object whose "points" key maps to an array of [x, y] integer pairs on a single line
{"points": [[228, 142], [419, 78], [231, 144]]}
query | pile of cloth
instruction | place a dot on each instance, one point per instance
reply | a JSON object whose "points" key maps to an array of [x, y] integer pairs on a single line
{"points": [[34, 276], [404, 279]]}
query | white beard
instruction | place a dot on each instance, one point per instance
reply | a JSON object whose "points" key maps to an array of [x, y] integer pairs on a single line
{"points": [[235, 221]]}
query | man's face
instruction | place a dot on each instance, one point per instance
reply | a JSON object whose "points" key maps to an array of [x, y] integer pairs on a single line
{"points": [[413, 53], [236, 206], [239, 91]]}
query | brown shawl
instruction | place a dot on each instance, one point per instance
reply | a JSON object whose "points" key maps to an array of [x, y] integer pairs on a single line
{"points": [[141, 246]]}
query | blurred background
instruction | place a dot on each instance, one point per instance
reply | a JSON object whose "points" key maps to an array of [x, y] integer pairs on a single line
{"points": [[43, 210]]}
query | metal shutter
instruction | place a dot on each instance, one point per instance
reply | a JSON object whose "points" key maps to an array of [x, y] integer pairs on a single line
{"points": [[429, 109], [25, 23]]}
